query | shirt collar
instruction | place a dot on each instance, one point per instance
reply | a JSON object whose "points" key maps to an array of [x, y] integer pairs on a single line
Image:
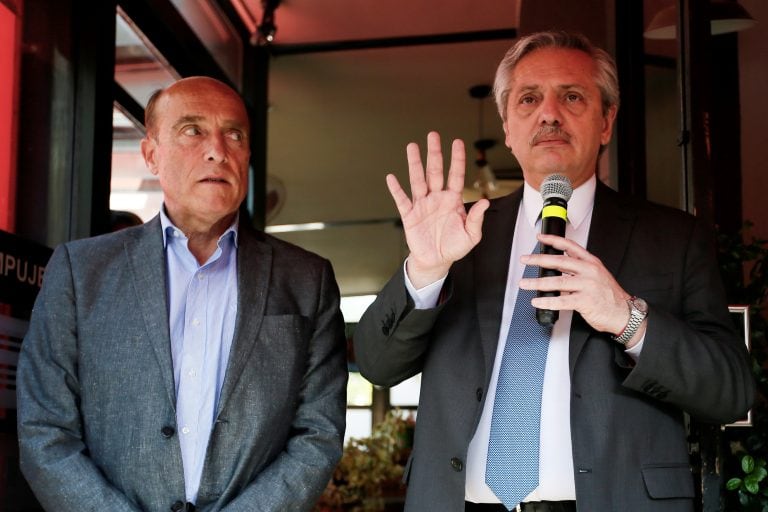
{"points": [[169, 229], [579, 206]]}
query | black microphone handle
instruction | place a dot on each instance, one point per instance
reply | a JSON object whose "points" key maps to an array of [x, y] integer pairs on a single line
{"points": [[549, 226]]}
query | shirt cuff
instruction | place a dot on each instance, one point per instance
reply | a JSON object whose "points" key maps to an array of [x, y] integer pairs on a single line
{"points": [[425, 297], [634, 352]]}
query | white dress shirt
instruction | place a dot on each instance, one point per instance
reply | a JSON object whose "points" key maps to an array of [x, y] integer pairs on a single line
{"points": [[556, 479], [202, 312]]}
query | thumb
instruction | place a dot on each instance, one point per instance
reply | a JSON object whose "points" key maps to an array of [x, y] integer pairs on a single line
{"points": [[474, 221]]}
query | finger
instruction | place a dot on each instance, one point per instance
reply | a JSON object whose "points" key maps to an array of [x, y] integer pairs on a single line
{"points": [[415, 171], [434, 162], [565, 264], [402, 202], [552, 284], [458, 166], [564, 244], [560, 303], [474, 221]]}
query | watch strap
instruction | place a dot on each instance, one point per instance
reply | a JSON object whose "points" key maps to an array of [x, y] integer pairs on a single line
{"points": [[636, 317]]}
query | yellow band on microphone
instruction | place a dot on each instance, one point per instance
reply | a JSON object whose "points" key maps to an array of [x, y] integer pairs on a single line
{"points": [[553, 211]]}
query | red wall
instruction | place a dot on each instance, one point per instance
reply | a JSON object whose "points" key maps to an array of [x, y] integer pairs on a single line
{"points": [[8, 117]]}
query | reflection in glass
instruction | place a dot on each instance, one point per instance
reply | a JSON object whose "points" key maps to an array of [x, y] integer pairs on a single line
{"points": [[139, 68], [133, 188], [216, 33]]}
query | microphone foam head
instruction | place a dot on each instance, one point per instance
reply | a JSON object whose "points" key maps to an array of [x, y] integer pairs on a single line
{"points": [[556, 185]]}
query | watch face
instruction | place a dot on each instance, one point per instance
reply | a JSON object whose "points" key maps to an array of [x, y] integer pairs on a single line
{"points": [[640, 304]]}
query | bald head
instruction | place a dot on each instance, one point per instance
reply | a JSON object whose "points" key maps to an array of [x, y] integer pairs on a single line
{"points": [[189, 85]]}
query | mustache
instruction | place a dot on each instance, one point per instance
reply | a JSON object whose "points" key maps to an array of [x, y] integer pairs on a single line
{"points": [[549, 132]]}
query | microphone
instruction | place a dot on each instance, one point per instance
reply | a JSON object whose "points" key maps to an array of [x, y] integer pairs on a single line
{"points": [[556, 190]]}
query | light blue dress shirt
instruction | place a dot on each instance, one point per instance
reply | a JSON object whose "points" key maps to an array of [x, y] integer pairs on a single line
{"points": [[202, 310]]}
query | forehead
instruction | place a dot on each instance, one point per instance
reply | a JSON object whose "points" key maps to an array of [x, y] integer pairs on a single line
{"points": [[203, 101], [555, 67]]}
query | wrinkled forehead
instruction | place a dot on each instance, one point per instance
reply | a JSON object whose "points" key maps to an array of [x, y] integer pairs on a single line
{"points": [[203, 100], [559, 67]]}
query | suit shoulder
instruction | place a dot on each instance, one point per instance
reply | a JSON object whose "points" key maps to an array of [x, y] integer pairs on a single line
{"points": [[645, 208], [106, 242]]}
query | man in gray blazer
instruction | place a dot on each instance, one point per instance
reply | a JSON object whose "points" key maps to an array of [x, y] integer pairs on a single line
{"points": [[191, 363], [643, 336]]}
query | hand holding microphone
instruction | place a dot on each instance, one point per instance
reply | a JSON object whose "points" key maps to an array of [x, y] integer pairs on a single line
{"points": [[556, 190]]}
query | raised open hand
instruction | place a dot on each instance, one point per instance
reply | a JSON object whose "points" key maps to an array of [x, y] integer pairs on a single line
{"points": [[438, 229]]}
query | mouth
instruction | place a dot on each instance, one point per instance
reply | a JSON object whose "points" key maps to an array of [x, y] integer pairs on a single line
{"points": [[215, 180]]}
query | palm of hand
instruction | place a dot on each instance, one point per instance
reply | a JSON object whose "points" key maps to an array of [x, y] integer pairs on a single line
{"points": [[435, 229]]}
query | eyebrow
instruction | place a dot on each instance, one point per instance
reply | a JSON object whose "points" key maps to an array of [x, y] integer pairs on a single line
{"points": [[231, 124], [187, 119], [529, 88]]}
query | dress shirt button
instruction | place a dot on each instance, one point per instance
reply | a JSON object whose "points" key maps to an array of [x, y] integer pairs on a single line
{"points": [[195, 322], [479, 394], [177, 507], [185, 430], [167, 431], [457, 464]]}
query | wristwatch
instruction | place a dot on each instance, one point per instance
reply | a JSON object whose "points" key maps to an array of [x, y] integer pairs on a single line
{"points": [[638, 310]]}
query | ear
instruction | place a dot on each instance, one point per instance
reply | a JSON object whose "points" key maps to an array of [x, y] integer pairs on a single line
{"points": [[148, 151], [506, 135], [608, 119]]}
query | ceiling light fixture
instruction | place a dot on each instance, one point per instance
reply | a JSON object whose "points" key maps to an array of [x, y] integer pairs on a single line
{"points": [[725, 16], [267, 28]]}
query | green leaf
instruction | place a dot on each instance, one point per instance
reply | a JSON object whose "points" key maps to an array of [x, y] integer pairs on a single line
{"points": [[759, 474], [747, 464], [751, 486], [733, 484]]}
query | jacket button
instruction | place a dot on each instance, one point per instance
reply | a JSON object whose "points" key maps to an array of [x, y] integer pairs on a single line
{"points": [[168, 432], [479, 394], [456, 464], [178, 506]]}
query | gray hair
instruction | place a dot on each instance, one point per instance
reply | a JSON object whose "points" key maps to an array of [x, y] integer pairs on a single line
{"points": [[606, 78]]}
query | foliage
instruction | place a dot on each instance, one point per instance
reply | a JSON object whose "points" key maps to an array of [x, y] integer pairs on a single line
{"points": [[751, 493], [744, 264], [370, 466]]}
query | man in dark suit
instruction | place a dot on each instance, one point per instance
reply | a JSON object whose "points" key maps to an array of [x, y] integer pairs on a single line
{"points": [[643, 333], [191, 363]]}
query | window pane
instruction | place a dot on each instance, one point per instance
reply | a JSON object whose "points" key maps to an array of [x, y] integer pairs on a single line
{"points": [[406, 393], [359, 390], [133, 188], [139, 68], [216, 33], [358, 424]]}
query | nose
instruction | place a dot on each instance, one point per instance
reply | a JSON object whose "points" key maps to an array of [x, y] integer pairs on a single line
{"points": [[217, 149], [549, 112]]}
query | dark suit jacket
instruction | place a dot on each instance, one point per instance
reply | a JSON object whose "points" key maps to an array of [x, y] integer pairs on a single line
{"points": [[96, 398], [628, 435]]}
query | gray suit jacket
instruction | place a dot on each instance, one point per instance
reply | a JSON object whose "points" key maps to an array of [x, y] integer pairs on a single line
{"points": [[96, 398], [628, 435]]}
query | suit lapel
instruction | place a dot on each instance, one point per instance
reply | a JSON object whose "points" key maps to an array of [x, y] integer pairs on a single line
{"points": [[254, 264], [609, 234], [491, 264], [146, 258]]}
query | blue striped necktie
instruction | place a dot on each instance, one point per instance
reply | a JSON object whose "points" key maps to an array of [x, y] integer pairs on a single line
{"points": [[512, 467]]}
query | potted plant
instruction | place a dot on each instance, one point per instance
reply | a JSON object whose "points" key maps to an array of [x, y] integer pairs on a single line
{"points": [[371, 469], [744, 262]]}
